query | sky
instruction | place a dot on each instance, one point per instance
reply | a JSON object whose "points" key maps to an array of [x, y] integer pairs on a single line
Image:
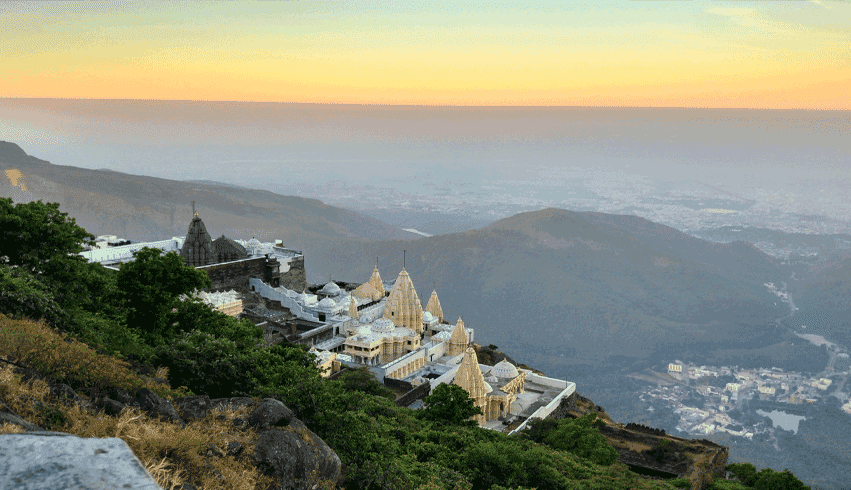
{"points": [[760, 55]]}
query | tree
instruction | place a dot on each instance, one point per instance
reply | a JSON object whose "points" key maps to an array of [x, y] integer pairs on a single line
{"points": [[361, 380], [192, 314], [23, 296], [580, 438], [39, 239], [150, 287], [768, 479], [451, 404]]}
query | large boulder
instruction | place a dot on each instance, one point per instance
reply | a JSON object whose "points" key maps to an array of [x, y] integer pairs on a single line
{"points": [[285, 448], [149, 402], [270, 413], [296, 458], [193, 407]]}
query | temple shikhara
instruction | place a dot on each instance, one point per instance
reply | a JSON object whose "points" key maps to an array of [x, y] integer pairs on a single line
{"points": [[377, 325]]}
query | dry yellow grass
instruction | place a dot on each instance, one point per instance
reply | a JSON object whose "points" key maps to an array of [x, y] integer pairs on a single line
{"points": [[172, 455]]}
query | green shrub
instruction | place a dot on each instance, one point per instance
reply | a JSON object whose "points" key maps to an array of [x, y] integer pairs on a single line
{"points": [[577, 436]]}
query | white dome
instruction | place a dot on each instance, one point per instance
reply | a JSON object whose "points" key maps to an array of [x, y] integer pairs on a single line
{"points": [[252, 246], [490, 378], [383, 325], [327, 303], [365, 319], [428, 317], [504, 369], [488, 388], [331, 289]]}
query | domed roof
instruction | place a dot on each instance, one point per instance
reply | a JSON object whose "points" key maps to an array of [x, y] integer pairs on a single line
{"points": [[504, 369], [327, 303], [427, 317], [490, 378], [383, 325], [488, 387], [331, 289], [366, 319]]}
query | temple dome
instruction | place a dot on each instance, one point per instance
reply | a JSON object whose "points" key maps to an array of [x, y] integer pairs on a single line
{"points": [[488, 387], [331, 289], [327, 303], [504, 369], [383, 325], [427, 317], [252, 246]]}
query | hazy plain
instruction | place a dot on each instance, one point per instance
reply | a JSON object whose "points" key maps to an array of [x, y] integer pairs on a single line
{"points": [[445, 169]]}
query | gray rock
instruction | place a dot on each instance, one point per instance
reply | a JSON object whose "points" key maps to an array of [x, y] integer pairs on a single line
{"points": [[122, 396], [9, 417], [110, 406], [295, 457], [34, 461], [240, 423], [234, 403], [156, 406], [193, 407], [270, 413], [214, 471], [61, 392], [234, 449]]}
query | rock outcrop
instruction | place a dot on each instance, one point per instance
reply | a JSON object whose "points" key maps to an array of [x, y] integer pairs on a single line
{"points": [[284, 448], [638, 445]]}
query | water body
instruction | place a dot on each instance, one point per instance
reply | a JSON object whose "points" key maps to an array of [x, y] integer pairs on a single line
{"points": [[783, 420]]}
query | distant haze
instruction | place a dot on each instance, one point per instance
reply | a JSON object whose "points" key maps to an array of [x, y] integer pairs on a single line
{"points": [[791, 161]]}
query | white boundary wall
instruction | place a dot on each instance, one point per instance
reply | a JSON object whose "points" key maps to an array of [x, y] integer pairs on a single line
{"points": [[269, 292], [550, 407], [126, 251]]}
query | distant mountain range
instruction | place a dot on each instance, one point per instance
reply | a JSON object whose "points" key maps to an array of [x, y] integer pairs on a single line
{"points": [[143, 208], [551, 287]]}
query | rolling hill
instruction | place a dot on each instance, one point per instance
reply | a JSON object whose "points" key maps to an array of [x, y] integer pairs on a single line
{"points": [[143, 208]]}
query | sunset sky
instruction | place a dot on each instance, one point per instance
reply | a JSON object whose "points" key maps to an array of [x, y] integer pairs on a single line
{"points": [[762, 54]]}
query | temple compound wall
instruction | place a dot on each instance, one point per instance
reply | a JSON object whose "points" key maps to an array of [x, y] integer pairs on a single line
{"points": [[238, 274], [234, 275], [125, 252], [292, 273]]}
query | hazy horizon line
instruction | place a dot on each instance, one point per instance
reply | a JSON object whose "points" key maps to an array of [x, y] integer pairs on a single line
{"points": [[433, 105]]}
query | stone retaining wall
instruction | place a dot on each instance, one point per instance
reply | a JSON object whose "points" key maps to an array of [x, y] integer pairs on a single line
{"points": [[417, 393]]}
